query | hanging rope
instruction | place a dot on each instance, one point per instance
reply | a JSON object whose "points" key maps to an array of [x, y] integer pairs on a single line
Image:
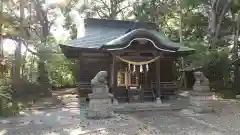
{"points": [[138, 63]]}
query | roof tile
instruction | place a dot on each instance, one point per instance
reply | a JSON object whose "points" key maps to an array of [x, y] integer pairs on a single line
{"points": [[100, 31]]}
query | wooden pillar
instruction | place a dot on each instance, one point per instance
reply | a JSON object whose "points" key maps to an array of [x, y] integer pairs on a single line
{"points": [[138, 76], [114, 74], [80, 61], [158, 78], [80, 76]]}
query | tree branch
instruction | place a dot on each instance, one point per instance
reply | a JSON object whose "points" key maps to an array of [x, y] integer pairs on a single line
{"points": [[100, 11], [225, 9], [99, 14], [105, 4], [16, 40], [39, 12], [120, 10], [29, 50], [35, 30]]}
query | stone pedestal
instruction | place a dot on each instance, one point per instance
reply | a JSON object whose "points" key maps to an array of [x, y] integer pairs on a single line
{"points": [[100, 106], [115, 101], [158, 101], [100, 100], [201, 97], [201, 102]]}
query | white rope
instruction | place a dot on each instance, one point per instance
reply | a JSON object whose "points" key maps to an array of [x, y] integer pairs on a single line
{"points": [[138, 63]]}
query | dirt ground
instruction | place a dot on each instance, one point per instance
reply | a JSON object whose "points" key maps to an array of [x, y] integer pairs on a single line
{"points": [[63, 114]]}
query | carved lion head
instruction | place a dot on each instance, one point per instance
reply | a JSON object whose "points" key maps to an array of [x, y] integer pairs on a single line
{"points": [[101, 76]]}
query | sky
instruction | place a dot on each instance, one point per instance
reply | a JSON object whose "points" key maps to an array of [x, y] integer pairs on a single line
{"points": [[57, 30], [9, 45]]}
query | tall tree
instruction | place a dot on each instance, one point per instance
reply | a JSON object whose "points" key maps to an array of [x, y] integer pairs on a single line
{"points": [[217, 13], [152, 10], [235, 13], [109, 9], [17, 60], [1, 30]]}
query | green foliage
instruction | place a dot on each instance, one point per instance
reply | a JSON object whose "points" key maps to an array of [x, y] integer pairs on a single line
{"points": [[235, 6], [191, 3], [60, 69], [216, 64], [226, 93], [195, 34], [8, 106], [140, 14], [218, 68]]}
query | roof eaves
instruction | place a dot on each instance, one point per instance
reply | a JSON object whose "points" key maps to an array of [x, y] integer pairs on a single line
{"points": [[125, 40]]}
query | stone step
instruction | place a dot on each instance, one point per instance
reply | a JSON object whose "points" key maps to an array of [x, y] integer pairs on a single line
{"points": [[148, 96], [135, 107], [202, 109], [148, 92]]}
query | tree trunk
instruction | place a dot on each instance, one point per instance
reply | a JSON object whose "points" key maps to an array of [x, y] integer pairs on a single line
{"points": [[1, 32], [183, 78], [236, 28], [42, 71], [16, 76], [216, 16], [24, 76]]}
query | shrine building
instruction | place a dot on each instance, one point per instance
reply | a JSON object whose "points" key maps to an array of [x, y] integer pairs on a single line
{"points": [[138, 57]]}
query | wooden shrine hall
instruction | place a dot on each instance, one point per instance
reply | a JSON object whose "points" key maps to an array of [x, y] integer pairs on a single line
{"points": [[137, 56]]}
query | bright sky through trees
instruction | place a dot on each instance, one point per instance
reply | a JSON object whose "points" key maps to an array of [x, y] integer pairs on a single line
{"points": [[57, 30]]}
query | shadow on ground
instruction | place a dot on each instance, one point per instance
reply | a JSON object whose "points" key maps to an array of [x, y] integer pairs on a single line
{"points": [[69, 119]]}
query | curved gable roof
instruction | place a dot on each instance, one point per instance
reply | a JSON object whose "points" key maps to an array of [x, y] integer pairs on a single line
{"points": [[102, 33], [160, 42]]}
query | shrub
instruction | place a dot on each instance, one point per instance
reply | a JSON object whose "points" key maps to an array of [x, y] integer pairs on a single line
{"points": [[8, 107]]}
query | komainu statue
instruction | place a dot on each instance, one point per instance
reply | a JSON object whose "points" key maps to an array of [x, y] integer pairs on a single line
{"points": [[200, 79], [201, 97], [100, 100], [100, 79], [99, 84]]}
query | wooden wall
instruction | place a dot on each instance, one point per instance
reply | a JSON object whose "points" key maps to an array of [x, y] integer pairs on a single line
{"points": [[93, 62], [90, 64], [166, 73]]}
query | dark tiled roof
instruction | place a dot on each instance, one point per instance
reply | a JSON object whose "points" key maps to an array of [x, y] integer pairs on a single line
{"points": [[160, 41], [118, 24], [101, 31], [96, 37]]}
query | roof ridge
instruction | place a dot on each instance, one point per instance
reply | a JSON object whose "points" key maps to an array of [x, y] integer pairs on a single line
{"points": [[95, 22], [130, 21]]}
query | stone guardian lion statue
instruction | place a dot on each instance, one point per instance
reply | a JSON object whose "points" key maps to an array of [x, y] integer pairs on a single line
{"points": [[100, 79], [200, 78]]}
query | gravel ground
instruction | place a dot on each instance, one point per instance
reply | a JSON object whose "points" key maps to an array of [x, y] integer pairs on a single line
{"points": [[227, 117], [70, 120], [75, 125], [175, 123]]}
